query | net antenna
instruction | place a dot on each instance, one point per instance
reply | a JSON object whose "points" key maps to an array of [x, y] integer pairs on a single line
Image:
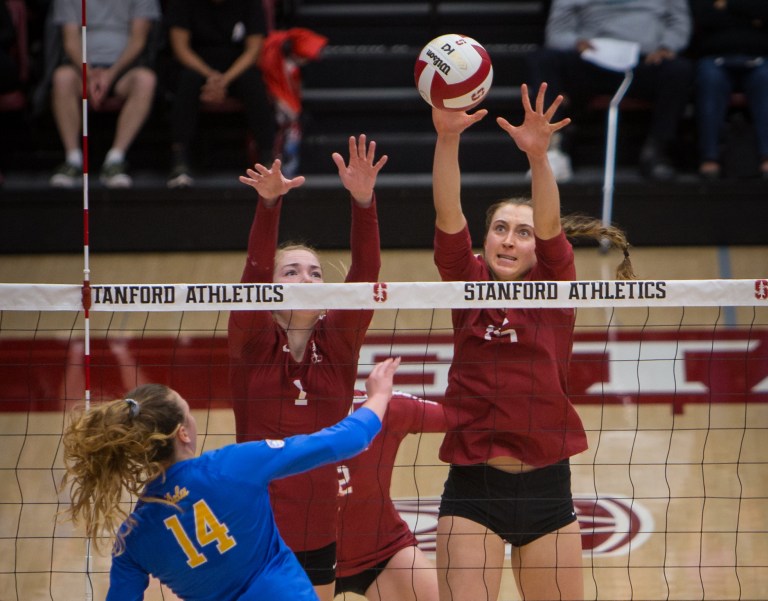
{"points": [[86, 294]]}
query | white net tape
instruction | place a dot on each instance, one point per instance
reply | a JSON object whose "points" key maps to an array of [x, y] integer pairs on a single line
{"points": [[387, 295]]}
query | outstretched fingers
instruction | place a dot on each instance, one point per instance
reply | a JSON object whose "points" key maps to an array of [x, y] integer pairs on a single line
{"points": [[270, 183], [550, 112], [540, 97], [526, 99], [384, 371], [359, 174], [558, 125], [455, 122]]}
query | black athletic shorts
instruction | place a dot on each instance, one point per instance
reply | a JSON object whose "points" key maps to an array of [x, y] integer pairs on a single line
{"points": [[319, 564], [360, 582], [518, 507]]}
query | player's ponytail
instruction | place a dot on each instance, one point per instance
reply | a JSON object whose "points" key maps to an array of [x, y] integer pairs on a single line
{"points": [[115, 446], [580, 226]]}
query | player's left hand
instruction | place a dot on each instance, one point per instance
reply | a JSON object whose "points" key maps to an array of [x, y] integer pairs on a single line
{"points": [[532, 137], [359, 176], [270, 183]]}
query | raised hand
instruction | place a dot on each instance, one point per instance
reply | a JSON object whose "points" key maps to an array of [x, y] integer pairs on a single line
{"points": [[359, 176], [455, 122], [379, 384], [270, 183], [533, 136]]}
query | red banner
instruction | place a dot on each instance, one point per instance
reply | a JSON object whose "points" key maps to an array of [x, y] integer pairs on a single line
{"points": [[624, 367]]}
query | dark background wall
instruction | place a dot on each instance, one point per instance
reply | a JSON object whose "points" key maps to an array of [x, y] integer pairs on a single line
{"points": [[364, 84]]}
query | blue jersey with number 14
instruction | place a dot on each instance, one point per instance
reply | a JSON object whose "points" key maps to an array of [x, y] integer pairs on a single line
{"points": [[221, 542]]}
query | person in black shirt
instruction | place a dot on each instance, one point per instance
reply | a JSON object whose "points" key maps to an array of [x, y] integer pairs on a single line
{"points": [[217, 43]]}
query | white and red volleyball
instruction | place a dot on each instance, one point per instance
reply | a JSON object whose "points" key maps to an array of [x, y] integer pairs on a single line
{"points": [[453, 72]]}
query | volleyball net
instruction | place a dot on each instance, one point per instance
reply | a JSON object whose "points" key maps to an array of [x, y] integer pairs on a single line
{"points": [[669, 377]]}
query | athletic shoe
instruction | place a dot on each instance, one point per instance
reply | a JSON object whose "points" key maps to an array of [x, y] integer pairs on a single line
{"points": [[113, 175], [560, 163], [66, 175], [655, 163], [180, 177]]}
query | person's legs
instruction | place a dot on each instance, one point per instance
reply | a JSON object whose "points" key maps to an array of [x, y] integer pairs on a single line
{"points": [[320, 566], [185, 114], [672, 92], [756, 89], [668, 85], [186, 109], [550, 567], [324, 592], [137, 87], [564, 73], [470, 558], [713, 89], [249, 88], [66, 105], [66, 97], [408, 576], [556, 68]]}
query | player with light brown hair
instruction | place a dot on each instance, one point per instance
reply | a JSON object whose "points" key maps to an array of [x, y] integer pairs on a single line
{"points": [[511, 426]]}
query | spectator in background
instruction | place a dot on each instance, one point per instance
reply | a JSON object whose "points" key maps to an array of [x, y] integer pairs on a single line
{"points": [[9, 74], [732, 50], [118, 57], [662, 29], [217, 43]]}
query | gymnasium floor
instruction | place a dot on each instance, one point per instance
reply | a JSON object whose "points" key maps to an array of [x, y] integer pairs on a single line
{"points": [[677, 495]]}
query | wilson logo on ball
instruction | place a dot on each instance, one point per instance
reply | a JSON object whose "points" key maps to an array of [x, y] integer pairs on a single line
{"points": [[453, 72]]}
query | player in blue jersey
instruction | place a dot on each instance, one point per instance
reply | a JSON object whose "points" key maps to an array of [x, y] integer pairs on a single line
{"points": [[203, 525]]}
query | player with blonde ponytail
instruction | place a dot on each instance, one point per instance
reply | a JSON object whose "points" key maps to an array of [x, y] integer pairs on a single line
{"points": [[202, 525]]}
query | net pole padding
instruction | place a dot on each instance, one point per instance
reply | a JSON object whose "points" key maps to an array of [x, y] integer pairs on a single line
{"points": [[387, 295]]}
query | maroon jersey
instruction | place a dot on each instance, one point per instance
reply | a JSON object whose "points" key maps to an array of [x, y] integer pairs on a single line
{"points": [[275, 396], [370, 528], [507, 385]]}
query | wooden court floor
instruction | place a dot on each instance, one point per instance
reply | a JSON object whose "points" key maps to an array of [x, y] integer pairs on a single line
{"points": [[674, 501]]}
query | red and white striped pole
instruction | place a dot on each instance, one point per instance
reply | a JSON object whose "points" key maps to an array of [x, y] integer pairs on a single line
{"points": [[86, 263], [86, 233]]}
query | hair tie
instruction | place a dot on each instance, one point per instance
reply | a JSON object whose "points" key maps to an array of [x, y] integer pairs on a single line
{"points": [[133, 407], [626, 253]]}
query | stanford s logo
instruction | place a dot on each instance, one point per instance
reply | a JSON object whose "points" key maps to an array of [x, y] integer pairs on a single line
{"points": [[761, 289], [610, 525], [380, 292]]}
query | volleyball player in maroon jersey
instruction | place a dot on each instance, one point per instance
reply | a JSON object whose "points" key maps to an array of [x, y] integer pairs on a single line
{"points": [[293, 372], [511, 427], [377, 552]]}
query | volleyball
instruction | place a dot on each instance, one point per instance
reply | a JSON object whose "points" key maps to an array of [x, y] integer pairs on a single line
{"points": [[453, 72]]}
